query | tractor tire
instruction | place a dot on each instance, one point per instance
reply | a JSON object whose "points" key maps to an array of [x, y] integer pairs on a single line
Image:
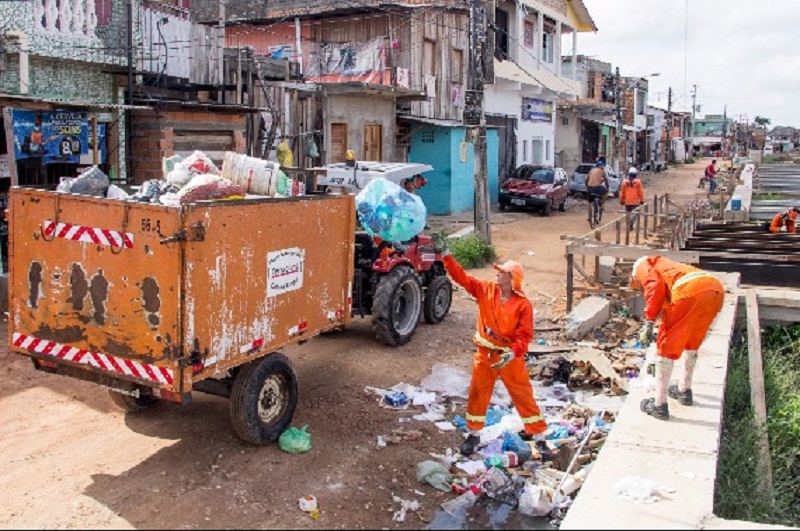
{"points": [[263, 399], [133, 404], [438, 297], [396, 306]]}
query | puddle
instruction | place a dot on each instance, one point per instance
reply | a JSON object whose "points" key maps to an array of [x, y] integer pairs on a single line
{"points": [[488, 515]]}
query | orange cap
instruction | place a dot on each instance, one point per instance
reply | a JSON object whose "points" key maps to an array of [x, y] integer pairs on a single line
{"points": [[517, 274]]}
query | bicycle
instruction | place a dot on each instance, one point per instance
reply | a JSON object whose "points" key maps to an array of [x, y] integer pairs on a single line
{"points": [[595, 210]]}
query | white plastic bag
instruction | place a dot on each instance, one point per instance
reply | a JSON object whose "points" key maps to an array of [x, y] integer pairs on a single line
{"points": [[447, 381], [637, 489], [115, 192], [536, 500]]}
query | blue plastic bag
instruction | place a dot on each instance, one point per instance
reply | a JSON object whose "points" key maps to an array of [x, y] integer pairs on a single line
{"points": [[389, 212], [514, 443]]}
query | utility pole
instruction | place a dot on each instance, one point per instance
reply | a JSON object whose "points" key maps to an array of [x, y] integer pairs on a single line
{"points": [[724, 130], [475, 118], [129, 96], [668, 154], [694, 106], [618, 122]]}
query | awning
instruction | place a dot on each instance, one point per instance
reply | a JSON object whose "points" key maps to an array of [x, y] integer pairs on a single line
{"points": [[629, 128], [432, 121], [534, 77], [74, 103], [370, 89]]}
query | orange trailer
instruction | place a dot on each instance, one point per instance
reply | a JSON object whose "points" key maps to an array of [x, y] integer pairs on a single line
{"points": [[155, 302]]}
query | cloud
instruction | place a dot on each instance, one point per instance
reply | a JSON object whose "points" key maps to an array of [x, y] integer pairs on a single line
{"points": [[743, 54]]}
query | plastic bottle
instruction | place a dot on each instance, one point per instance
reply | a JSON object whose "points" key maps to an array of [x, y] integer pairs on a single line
{"points": [[504, 460]]}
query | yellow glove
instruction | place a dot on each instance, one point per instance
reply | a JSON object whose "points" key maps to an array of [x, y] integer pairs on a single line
{"points": [[646, 335], [505, 357]]}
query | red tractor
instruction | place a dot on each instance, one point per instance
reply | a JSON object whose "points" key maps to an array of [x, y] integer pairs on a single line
{"points": [[396, 283]]}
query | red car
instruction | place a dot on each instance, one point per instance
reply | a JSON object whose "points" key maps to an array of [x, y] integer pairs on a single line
{"points": [[539, 187]]}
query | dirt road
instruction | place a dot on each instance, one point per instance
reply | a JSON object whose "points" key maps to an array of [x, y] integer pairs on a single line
{"points": [[71, 459]]}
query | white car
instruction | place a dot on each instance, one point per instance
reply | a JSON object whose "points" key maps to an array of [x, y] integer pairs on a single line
{"points": [[577, 184]]}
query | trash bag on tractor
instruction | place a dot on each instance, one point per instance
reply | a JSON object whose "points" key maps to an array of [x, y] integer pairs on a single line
{"points": [[388, 211]]}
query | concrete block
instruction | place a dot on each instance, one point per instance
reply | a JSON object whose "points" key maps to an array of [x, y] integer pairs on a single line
{"points": [[590, 313], [607, 264]]}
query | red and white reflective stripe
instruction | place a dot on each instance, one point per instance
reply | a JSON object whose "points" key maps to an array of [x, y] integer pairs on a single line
{"points": [[257, 344], [105, 362], [80, 233]]}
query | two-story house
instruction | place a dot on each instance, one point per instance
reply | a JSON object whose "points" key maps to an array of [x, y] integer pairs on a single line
{"points": [[529, 82]]}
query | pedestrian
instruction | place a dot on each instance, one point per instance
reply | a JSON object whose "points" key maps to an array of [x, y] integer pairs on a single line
{"points": [[503, 331], [687, 299], [786, 219], [631, 193], [710, 176]]}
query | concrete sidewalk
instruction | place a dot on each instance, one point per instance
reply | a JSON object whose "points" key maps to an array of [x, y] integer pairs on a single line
{"points": [[680, 454]]}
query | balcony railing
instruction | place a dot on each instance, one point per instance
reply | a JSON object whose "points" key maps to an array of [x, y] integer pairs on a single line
{"points": [[66, 17]]}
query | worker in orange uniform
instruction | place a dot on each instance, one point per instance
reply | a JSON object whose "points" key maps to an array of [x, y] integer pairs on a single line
{"points": [[786, 219], [631, 193], [504, 330], [688, 299]]}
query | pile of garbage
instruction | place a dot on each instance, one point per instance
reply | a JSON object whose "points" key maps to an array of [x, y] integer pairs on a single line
{"points": [[538, 479], [194, 178]]}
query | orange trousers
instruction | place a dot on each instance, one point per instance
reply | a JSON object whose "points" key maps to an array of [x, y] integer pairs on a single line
{"points": [[517, 381], [685, 322]]}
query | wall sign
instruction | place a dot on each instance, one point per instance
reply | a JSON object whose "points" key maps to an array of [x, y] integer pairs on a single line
{"points": [[285, 271], [534, 110], [56, 137]]}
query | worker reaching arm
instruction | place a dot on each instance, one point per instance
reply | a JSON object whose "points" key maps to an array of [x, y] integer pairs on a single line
{"points": [[503, 331], [687, 299], [786, 219]]}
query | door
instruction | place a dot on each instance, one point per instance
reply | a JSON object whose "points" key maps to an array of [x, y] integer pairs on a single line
{"points": [[373, 142], [338, 142]]}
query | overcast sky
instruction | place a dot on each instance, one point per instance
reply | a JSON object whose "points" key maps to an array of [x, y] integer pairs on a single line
{"points": [[741, 53]]}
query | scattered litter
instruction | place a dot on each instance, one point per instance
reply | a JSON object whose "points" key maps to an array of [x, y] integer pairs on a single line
{"points": [[445, 425], [434, 474], [406, 506], [396, 400], [536, 500], [447, 381], [308, 504], [637, 489], [295, 441], [472, 468], [599, 402], [422, 398], [458, 506], [380, 442]]}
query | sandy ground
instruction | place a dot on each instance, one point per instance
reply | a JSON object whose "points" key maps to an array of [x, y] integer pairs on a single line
{"points": [[69, 458]]}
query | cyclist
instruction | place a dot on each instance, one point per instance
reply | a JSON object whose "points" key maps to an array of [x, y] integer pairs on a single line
{"points": [[597, 184]]}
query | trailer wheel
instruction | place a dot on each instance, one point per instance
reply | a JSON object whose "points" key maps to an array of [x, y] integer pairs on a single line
{"points": [[437, 301], [263, 399], [135, 404], [396, 306]]}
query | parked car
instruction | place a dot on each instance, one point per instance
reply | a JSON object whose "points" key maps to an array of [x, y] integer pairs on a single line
{"points": [[534, 186], [578, 182]]}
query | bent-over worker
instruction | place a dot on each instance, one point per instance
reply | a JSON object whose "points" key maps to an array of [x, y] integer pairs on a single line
{"points": [[504, 330], [687, 299], [786, 219]]}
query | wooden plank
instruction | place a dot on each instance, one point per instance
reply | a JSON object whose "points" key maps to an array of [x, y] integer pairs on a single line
{"points": [[758, 393], [631, 252]]}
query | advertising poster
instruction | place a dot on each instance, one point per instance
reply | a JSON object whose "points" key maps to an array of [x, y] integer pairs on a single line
{"points": [[63, 137], [534, 110]]}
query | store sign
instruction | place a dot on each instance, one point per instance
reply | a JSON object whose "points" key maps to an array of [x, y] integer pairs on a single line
{"points": [[58, 137], [534, 110]]}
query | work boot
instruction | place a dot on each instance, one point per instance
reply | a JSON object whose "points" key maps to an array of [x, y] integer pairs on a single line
{"points": [[684, 398], [469, 445], [544, 451], [525, 436], [649, 406]]}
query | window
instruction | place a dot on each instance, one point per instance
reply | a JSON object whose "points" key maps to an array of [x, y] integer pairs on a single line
{"points": [[564, 120], [427, 136], [536, 150], [524, 151], [501, 34], [528, 35], [548, 40]]}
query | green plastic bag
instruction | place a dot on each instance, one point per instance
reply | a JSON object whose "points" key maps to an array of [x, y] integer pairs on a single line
{"points": [[434, 474], [282, 186], [295, 441]]}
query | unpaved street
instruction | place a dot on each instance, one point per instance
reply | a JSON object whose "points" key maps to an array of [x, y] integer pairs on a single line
{"points": [[71, 459]]}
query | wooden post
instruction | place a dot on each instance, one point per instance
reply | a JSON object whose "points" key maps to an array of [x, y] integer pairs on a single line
{"points": [[618, 229], [655, 213], [627, 228], [95, 147], [570, 279], [758, 395], [638, 223], [597, 260], [646, 219]]}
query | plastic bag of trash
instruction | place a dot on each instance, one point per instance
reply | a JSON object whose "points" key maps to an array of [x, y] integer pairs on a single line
{"points": [[434, 474], [207, 187], [295, 441], [458, 507], [91, 181], [198, 163], [536, 500], [179, 177], [514, 443], [257, 176], [153, 190], [168, 163], [282, 184], [597, 402], [115, 192], [65, 184], [388, 211], [447, 381]]}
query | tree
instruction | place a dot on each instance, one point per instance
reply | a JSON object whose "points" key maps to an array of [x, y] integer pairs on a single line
{"points": [[761, 121]]}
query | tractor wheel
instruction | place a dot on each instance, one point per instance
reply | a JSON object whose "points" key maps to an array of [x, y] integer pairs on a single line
{"points": [[135, 404], [438, 297], [263, 399], [396, 306]]}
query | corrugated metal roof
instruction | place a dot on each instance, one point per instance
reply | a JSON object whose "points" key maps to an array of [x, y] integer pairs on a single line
{"points": [[73, 103]]}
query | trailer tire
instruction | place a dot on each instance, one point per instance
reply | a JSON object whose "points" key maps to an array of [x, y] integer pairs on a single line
{"points": [[263, 399], [133, 404], [396, 306], [438, 297]]}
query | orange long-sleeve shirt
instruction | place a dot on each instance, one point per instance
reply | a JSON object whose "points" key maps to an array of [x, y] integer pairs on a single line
{"points": [[631, 193], [508, 324], [658, 281], [784, 218]]}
